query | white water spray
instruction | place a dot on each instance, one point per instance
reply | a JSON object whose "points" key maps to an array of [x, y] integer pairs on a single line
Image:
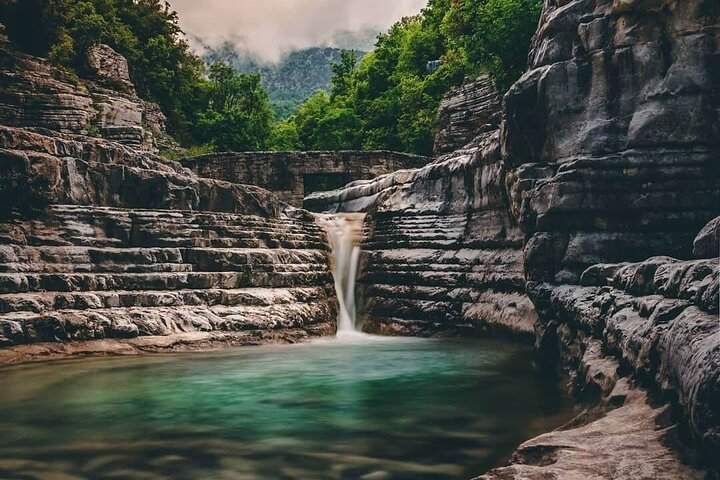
{"points": [[345, 235]]}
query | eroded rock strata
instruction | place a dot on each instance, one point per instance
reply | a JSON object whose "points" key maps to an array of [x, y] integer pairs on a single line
{"points": [[611, 138], [467, 112], [442, 254], [131, 247], [607, 162], [294, 175], [33, 93]]}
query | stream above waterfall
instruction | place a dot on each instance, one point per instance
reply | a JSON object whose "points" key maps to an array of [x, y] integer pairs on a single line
{"points": [[361, 407]]}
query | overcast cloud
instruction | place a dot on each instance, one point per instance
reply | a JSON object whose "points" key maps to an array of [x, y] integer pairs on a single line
{"points": [[271, 27]]}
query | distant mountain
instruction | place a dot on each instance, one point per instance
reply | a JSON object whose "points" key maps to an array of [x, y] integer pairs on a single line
{"points": [[297, 76]]}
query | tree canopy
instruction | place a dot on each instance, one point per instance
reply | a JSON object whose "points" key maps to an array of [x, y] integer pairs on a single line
{"points": [[390, 99]]}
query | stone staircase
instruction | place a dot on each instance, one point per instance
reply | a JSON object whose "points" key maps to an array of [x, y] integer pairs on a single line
{"points": [[429, 274], [205, 256], [85, 273], [441, 255]]}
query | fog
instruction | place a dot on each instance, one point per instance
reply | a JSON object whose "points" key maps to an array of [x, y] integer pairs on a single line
{"points": [[269, 28]]}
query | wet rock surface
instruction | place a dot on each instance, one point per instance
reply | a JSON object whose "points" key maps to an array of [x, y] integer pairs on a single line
{"points": [[126, 245], [612, 136], [442, 255], [627, 443]]}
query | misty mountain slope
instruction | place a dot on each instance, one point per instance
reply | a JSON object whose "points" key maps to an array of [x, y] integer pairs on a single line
{"points": [[297, 76]]}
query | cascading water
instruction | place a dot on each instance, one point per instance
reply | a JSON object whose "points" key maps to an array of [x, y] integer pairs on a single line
{"points": [[345, 235]]}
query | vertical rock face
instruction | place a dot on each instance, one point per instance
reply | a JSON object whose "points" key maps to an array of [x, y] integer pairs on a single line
{"points": [[467, 112], [611, 144], [612, 138], [35, 94]]}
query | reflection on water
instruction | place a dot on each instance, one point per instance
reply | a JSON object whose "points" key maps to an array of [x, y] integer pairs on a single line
{"points": [[385, 409]]}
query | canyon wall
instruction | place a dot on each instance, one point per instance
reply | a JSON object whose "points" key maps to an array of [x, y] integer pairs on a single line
{"points": [[611, 138], [588, 201], [611, 146], [470, 110], [106, 248], [294, 175]]}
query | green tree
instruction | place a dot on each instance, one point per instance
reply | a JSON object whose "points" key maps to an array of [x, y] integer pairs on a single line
{"points": [[390, 100], [343, 74], [284, 137], [237, 115], [495, 33]]}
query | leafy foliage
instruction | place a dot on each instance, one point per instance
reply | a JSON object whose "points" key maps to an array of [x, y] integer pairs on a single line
{"points": [[296, 77], [224, 110], [389, 100], [236, 114]]}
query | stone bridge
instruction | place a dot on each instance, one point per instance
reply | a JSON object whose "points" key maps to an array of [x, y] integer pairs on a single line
{"points": [[294, 175]]}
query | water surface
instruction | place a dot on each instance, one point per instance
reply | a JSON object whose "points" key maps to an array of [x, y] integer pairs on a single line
{"points": [[367, 409]]}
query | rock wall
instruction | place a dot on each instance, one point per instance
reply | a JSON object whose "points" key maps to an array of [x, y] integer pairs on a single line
{"points": [[604, 171], [611, 139], [611, 147], [442, 255], [129, 247], [467, 112], [294, 175], [35, 94]]}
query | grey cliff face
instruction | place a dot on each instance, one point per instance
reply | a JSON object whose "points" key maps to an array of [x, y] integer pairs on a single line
{"points": [[604, 170], [467, 112], [611, 138], [611, 145]]}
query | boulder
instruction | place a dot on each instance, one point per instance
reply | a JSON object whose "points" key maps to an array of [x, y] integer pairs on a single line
{"points": [[110, 69]]}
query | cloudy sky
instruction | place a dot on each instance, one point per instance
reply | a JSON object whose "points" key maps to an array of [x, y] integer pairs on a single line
{"points": [[271, 27]]}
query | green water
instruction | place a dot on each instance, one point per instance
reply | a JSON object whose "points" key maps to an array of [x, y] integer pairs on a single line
{"points": [[369, 409]]}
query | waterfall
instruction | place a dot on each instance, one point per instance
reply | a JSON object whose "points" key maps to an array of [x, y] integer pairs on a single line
{"points": [[345, 234]]}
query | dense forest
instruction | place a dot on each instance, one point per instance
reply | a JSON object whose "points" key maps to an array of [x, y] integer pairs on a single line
{"points": [[387, 100], [297, 76]]}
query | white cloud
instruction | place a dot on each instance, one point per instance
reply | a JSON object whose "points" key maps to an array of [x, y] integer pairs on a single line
{"points": [[271, 27]]}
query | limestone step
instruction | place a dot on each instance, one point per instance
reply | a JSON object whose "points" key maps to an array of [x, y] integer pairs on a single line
{"points": [[80, 325], [451, 279], [43, 302], [263, 276], [53, 259], [115, 227]]}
